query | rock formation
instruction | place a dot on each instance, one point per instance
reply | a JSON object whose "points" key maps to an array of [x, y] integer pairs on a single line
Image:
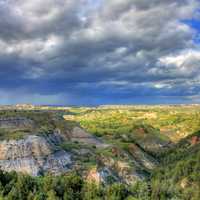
{"points": [[13, 122], [40, 153], [80, 135], [33, 155]]}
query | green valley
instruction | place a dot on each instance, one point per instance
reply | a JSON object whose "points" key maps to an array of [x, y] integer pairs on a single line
{"points": [[106, 152]]}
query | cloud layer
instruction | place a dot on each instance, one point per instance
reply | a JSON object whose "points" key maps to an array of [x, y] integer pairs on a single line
{"points": [[98, 51]]}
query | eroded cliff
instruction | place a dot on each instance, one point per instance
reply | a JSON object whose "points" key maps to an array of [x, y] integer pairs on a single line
{"points": [[33, 155], [62, 149]]}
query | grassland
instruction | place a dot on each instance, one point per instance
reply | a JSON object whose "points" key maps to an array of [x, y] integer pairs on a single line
{"points": [[169, 135], [173, 122]]}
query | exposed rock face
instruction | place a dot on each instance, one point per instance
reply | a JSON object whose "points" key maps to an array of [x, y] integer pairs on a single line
{"points": [[143, 158], [12, 123], [120, 170], [38, 154], [100, 175], [82, 136], [33, 155]]}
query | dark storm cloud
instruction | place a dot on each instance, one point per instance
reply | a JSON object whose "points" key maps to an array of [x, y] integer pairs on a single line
{"points": [[55, 50]]}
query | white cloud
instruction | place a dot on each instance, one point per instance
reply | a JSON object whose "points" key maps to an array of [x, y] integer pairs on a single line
{"points": [[181, 59], [186, 62]]}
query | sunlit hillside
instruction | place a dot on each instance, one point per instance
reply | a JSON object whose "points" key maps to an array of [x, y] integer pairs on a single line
{"points": [[174, 122]]}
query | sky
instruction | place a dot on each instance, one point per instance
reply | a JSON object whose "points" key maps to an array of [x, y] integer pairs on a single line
{"points": [[91, 52]]}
